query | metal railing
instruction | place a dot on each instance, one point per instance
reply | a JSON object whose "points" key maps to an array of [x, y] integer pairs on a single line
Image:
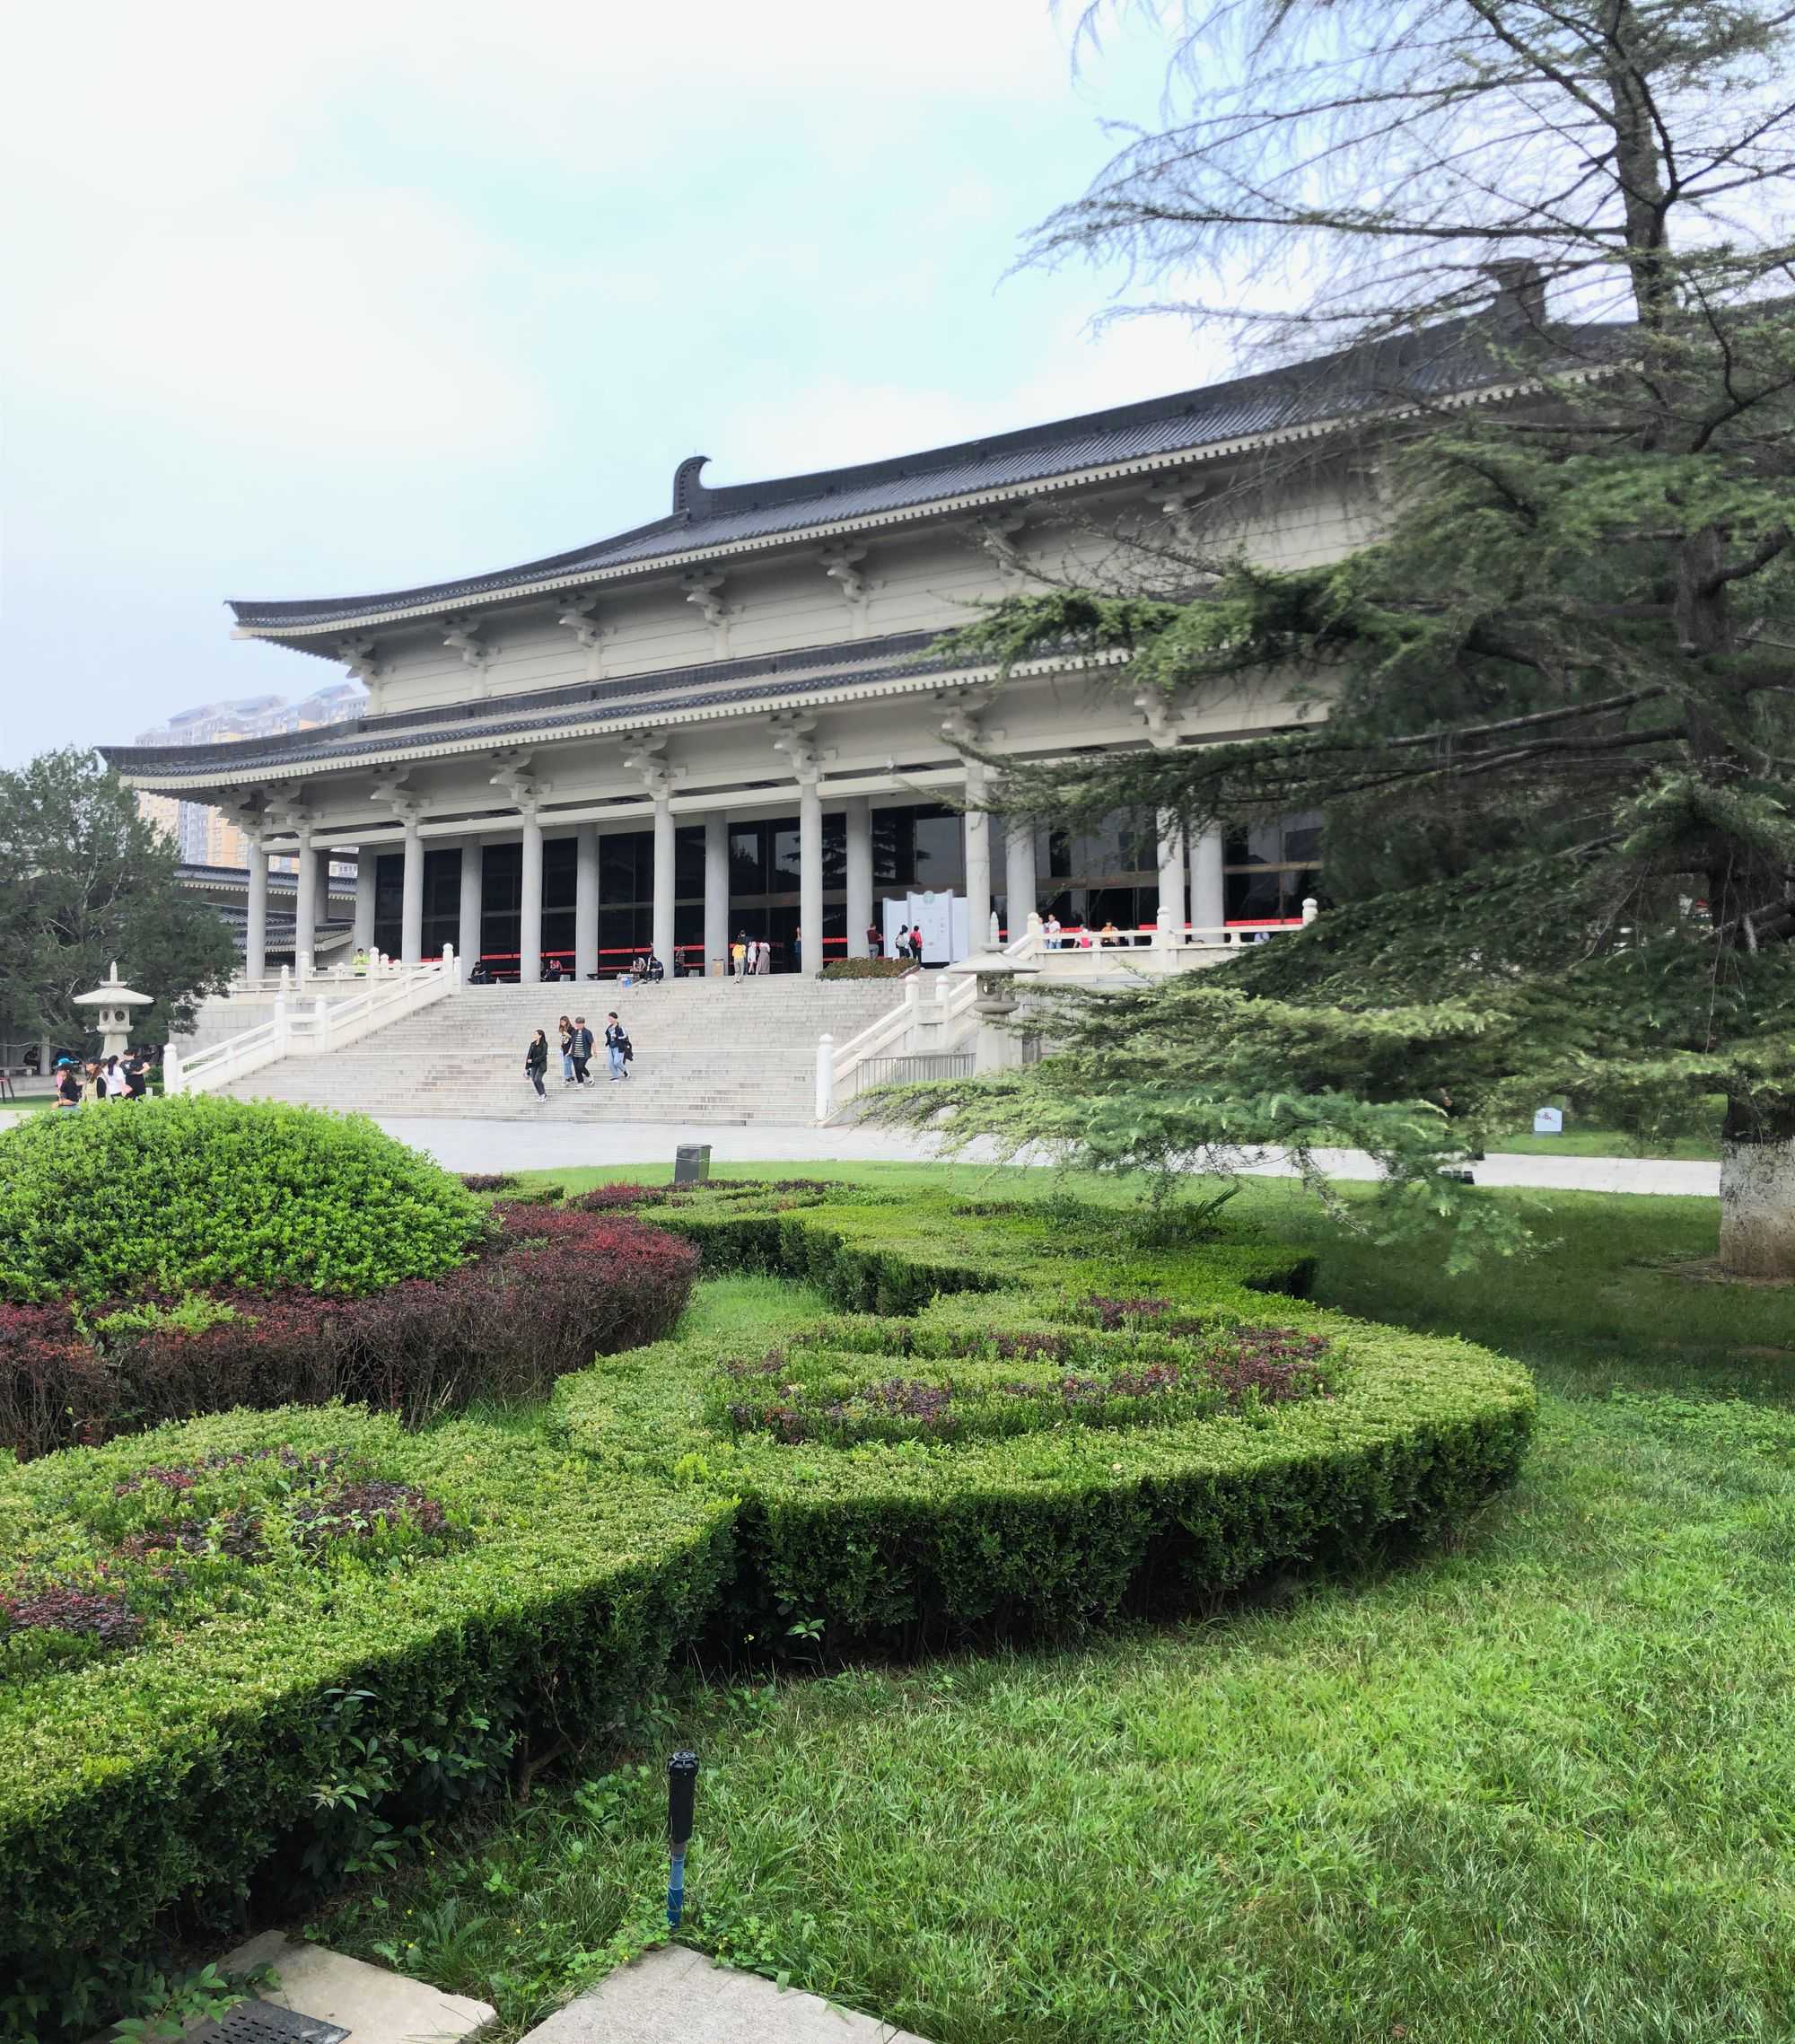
{"points": [[914, 1069]]}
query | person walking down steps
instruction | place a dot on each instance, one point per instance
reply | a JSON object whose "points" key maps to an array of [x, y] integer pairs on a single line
{"points": [[564, 1029], [536, 1063], [582, 1050], [619, 1048]]}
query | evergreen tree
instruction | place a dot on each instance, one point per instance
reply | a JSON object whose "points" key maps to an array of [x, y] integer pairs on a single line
{"points": [[86, 881], [1547, 708]]}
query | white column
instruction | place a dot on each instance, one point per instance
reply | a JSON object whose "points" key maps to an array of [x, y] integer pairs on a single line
{"points": [[1019, 875], [473, 895], [586, 901], [661, 935], [367, 866], [1208, 900], [810, 877], [859, 872], [256, 946], [529, 918], [411, 897], [1172, 873], [305, 910], [716, 888], [978, 861]]}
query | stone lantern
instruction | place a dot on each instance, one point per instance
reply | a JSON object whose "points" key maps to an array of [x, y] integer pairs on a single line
{"points": [[114, 1002], [998, 1050]]}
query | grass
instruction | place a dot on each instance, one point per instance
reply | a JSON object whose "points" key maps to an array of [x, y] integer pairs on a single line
{"points": [[1539, 1787], [1604, 1143]]}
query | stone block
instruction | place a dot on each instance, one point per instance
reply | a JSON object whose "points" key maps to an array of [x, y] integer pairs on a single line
{"points": [[373, 2006], [676, 1996]]}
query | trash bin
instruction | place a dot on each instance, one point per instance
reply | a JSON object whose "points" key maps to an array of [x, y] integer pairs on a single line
{"points": [[691, 1164]]}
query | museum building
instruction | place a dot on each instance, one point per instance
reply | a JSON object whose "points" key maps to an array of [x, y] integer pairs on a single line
{"points": [[733, 718]]}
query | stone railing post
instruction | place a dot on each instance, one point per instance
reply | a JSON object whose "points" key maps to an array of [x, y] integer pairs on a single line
{"points": [[825, 1077], [1311, 908], [451, 965], [172, 1081]]}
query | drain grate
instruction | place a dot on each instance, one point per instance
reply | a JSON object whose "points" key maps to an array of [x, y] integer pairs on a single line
{"points": [[266, 2023]]}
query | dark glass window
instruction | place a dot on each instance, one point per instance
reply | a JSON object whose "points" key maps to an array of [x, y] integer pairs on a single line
{"points": [[940, 850], [500, 902], [625, 867], [782, 875], [388, 901], [441, 900], [560, 878], [893, 847], [747, 860], [688, 862]]}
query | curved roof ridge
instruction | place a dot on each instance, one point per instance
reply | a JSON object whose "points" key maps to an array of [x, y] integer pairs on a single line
{"points": [[1301, 393]]}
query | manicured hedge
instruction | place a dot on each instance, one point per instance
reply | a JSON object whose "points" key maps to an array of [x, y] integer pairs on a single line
{"points": [[548, 1291], [866, 969], [170, 1194], [184, 1760], [922, 1539], [1018, 1419]]}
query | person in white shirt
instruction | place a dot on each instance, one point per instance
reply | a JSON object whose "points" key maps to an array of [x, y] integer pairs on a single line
{"points": [[1050, 930]]}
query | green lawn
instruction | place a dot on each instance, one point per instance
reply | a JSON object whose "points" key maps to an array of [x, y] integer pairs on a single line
{"points": [[1604, 1143], [1538, 1787]]}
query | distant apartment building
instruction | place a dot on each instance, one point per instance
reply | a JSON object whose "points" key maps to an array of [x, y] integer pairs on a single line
{"points": [[205, 836]]}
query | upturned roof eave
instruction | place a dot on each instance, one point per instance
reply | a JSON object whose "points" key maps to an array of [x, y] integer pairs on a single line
{"points": [[399, 752], [440, 597]]}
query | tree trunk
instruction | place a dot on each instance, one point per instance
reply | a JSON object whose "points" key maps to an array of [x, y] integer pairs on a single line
{"points": [[1757, 1199]]}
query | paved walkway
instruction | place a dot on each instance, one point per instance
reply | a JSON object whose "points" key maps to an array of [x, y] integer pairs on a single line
{"points": [[536, 1146], [527, 1146]]}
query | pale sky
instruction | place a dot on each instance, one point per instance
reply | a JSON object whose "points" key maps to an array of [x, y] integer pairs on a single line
{"points": [[300, 302]]}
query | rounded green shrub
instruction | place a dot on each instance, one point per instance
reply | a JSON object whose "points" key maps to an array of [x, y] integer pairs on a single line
{"points": [[169, 1195]]}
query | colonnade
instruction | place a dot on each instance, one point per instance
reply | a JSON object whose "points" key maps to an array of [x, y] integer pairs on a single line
{"points": [[1200, 862]]}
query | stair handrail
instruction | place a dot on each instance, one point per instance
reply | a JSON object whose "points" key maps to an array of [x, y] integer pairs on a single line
{"points": [[876, 1040], [312, 1032]]}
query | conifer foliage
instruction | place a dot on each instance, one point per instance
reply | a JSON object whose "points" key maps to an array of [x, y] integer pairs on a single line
{"points": [[1547, 708]]}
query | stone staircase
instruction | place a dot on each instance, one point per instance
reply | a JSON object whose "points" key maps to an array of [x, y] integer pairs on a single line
{"points": [[707, 1051]]}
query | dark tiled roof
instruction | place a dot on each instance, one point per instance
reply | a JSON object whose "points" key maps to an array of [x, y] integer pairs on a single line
{"points": [[1436, 362], [234, 877], [713, 684]]}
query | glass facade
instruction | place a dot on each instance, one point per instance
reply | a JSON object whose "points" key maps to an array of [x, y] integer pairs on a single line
{"points": [[1087, 878], [1268, 869]]}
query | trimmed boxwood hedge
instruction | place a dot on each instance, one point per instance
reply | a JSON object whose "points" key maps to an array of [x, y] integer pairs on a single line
{"points": [[180, 1743], [165, 1195], [1063, 1526], [183, 1763]]}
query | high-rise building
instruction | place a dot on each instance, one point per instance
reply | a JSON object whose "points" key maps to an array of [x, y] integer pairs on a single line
{"points": [[205, 836]]}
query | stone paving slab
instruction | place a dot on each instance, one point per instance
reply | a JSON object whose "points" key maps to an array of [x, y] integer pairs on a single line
{"points": [[373, 2006], [676, 1996]]}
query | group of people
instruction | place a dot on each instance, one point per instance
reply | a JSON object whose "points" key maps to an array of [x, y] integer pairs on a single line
{"points": [[103, 1078], [906, 944], [576, 1053], [751, 958]]}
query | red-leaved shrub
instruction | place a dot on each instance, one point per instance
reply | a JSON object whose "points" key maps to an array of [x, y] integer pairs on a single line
{"points": [[625, 1192], [552, 1289], [54, 1388]]}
